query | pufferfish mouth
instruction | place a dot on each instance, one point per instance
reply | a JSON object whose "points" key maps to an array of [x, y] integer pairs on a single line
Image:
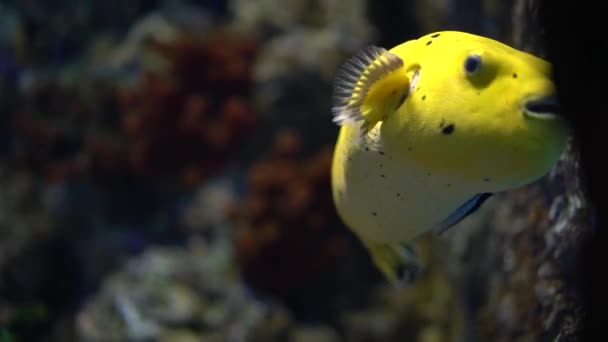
{"points": [[542, 108]]}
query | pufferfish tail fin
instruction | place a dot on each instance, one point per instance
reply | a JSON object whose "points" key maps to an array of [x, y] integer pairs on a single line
{"points": [[368, 86], [399, 263]]}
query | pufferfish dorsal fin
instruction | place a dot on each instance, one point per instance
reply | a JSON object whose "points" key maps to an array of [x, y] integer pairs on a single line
{"points": [[367, 86]]}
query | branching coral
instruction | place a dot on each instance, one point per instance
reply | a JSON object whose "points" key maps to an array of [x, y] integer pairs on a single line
{"points": [[183, 121], [188, 121], [290, 241]]}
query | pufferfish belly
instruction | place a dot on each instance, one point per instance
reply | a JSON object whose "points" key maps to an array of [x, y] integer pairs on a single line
{"points": [[385, 200]]}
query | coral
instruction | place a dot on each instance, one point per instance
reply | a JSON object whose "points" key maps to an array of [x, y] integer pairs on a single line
{"points": [[55, 34], [309, 35], [188, 121], [23, 216], [50, 127], [37, 273], [99, 167], [258, 16], [289, 240], [308, 49], [179, 294], [184, 121], [205, 212]]}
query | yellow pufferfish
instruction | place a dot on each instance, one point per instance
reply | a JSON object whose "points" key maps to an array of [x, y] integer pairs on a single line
{"points": [[429, 130]]}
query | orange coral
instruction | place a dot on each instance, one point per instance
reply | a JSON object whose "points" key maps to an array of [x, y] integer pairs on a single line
{"points": [[183, 123], [288, 232], [186, 123]]}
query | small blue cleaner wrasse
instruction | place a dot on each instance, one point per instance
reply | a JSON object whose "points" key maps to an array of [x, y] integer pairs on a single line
{"points": [[432, 128]]}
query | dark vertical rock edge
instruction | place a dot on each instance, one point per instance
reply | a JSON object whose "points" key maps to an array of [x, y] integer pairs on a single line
{"points": [[577, 45]]}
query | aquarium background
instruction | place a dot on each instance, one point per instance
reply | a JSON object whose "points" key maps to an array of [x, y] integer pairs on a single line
{"points": [[164, 176]]}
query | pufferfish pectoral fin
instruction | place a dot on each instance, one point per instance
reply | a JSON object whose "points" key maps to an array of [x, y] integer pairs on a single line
{"points": [[398, 262], [463, 211], [367, 86]]}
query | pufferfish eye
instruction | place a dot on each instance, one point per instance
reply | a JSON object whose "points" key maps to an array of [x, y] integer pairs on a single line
{"points": [[472, 64]]}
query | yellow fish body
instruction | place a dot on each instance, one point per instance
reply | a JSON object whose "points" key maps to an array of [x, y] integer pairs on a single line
{"points": [[430, 129]]}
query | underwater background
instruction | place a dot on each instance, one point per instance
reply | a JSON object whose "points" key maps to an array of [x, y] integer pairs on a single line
{"points": [[164, 176]]}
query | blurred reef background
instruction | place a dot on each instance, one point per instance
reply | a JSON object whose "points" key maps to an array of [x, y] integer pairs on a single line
{"points": [[164, 176]]}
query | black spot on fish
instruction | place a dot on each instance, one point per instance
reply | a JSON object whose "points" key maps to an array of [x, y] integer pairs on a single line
{"points": [[374, 213], [398, 194], [381, 165], [394, 92], [367, 148], [486, 179], [449, 185], [382, 153], [350, 159], [449, 129], [409, 148], [429, 42], [436, 35], [423, 97], [382, 176], [514, 75]]}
